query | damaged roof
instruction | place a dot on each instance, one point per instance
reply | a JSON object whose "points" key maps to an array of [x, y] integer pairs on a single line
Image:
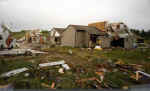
{"points": [[99, 25], [89, 29], [60, 30]]}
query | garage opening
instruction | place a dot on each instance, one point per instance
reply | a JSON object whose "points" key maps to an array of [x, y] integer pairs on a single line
{"points": [[58, 40], [118, 42], [93, 39]]}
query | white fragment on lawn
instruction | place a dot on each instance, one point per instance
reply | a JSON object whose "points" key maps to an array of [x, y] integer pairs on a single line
{"points": [[14, 72], [61, 70], [145, 74], [65, 66], [52, 63], [20, 51]]}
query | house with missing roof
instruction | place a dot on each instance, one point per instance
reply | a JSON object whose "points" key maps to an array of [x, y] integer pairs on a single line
{"points": [[56, 35], [119, 35]]}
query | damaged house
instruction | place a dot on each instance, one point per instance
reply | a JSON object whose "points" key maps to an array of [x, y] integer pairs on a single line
{"points": [[81, 36], [35, 36], [119, 35], [56, 35], [6, 39], [103, 34]]}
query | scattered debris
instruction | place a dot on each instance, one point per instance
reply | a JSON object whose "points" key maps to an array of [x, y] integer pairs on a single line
{"points": [[53, 85], [52, 63], [20, 52], [125, 87], [14, 72], [143, 73], [42, 77], [61, 70], [101, 74], [98, 48], [86, 79], [66, 66], [8, 87], [70, 51], [26, 74], [45, 85]]}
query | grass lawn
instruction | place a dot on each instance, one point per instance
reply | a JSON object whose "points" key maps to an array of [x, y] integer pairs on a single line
{"points": [[83, 63]]}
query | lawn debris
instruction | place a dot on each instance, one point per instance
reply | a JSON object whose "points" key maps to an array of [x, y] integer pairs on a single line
{"points": [[98, 48], [26, 74], [52, 63], [86, 79], [125, 87], [14, 72], [70, 51], [62, 63], [53, 85], [61, 70], [45, 85], [6, 87], [101, 74], [20, 52], [143, 73], [65, 66]]}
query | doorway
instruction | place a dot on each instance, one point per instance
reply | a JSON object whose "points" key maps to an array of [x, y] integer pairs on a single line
{"points": [[118, 43]]}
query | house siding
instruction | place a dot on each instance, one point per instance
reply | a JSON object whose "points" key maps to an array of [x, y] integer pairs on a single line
{"points": [[81, 39], [105, 42], [128, 43], [68, 37]]}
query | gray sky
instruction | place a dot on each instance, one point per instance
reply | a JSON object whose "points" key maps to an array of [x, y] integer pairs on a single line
{"points": [[45, 14]]}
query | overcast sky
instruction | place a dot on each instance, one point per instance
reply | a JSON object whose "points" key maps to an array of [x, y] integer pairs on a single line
{"points": [[45, 14]]}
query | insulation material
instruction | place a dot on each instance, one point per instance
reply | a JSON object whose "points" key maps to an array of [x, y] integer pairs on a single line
{"points": [[99, 25]]}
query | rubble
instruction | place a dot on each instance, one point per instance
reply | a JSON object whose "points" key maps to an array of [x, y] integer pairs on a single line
{"points": [[14, 72], [62, 63], [20, 52], [101, 74], [143, 73], [26, 74], [45, 85], [53, 85], [65, 66], [70, 51], [52, 63], [98, 48], [61, 70]]}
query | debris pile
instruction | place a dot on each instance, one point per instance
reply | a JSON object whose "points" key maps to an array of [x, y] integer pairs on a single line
{"points": [[20, 52]]}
